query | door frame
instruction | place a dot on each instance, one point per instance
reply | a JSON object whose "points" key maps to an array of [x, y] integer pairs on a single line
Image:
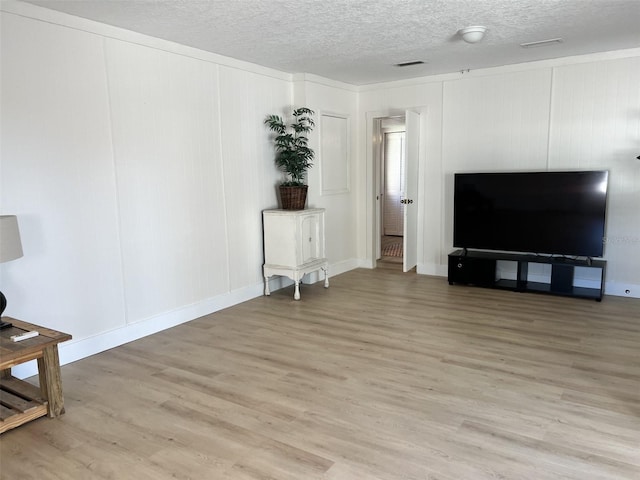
{"points": [[373, 184]]}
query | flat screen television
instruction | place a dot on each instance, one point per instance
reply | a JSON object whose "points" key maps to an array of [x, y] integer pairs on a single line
{"points": [[560, 213]]}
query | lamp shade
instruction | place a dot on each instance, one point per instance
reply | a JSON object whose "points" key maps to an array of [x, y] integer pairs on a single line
{"points": [[10, 246]]}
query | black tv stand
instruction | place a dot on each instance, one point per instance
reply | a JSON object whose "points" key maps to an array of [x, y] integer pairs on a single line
{"points": [[479, 268]]}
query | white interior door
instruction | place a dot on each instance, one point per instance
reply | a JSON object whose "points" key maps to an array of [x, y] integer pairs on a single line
{"points": [[410, 197]]}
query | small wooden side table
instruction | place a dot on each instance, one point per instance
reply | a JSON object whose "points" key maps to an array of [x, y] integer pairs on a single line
{"points": [[21, 402]]}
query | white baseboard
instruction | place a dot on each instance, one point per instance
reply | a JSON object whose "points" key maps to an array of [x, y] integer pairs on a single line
{"points": [[364, 263], [622, 289], [78, 349], [434, 269], [343, 267]]}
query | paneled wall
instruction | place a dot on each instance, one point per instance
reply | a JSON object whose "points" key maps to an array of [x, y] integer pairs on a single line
{"points": [[493, 123], [595, 122], [169, 169], [575, 113], [338, 192], [391, 100], [250, 176], [57, 174], [138, 170]]}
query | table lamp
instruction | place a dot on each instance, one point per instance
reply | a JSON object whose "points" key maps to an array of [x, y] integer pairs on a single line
{"points": [[10, 249]]}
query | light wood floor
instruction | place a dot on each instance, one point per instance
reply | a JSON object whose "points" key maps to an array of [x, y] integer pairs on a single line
{"points": [[382, 376]]}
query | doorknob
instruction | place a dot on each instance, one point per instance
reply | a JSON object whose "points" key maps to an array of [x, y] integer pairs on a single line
{"points": [[406, 201]]}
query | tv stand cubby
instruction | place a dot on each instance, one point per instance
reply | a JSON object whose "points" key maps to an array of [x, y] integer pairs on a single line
{"points": [[479, 268]]}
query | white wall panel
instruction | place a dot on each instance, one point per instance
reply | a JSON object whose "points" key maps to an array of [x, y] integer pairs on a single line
{"points": [[333, 154], [426, 98], [596, 125], [341, 217], [250, 172], [502, 119], [129, 150], [497, 122], [169, 173], [493, 123], [58, 177]]}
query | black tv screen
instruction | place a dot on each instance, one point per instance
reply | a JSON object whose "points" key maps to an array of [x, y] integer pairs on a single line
{"points": [[559, 213]]}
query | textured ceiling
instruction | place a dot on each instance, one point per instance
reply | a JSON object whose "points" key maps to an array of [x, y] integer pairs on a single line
{"points": [[360, 41]]}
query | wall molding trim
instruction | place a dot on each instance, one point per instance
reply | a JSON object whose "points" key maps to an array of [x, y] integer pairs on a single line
{"points": [[89, 26], [433, 269], [76, 350], [516, 67], [72, 351], [327, 82]]}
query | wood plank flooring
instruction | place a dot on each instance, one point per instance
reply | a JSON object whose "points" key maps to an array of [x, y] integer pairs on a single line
{"points": [[382, 376]]}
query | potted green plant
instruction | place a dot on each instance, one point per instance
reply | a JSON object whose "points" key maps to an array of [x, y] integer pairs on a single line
{"points": [[293, 155]]}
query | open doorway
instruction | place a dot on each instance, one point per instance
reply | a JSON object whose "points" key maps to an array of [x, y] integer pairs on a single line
{"points": [[413, 145], [392, 168]]}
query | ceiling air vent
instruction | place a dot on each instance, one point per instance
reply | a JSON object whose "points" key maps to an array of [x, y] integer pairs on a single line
{"points": [[541, 43], [408, 64]]}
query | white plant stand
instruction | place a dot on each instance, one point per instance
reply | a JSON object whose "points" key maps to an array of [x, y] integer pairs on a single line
{"points": [[294, 245]]}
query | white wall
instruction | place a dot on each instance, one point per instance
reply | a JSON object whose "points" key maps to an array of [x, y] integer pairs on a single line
{"points": [[389, 100], [595, 120], [579, 112], [58, 176], [169, 169], [493, 123], [138, 170], [341, 226]]}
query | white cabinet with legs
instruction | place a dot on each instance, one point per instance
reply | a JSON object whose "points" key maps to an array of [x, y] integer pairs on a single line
{"points": [[293, 245]]}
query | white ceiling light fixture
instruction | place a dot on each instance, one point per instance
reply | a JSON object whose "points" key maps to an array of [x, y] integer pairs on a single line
{"points": [[472, 34]]}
